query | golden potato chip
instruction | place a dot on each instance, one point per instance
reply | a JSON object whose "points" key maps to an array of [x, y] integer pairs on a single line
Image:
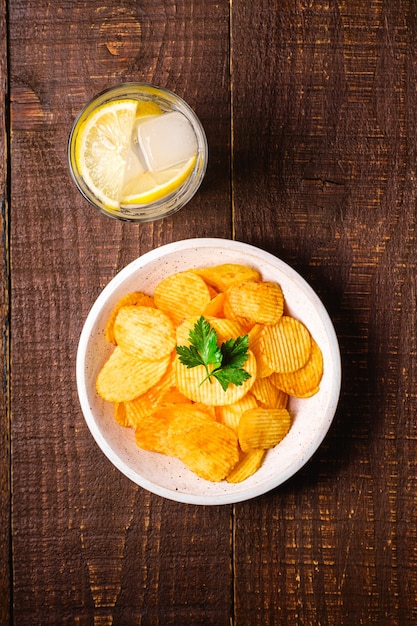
{"points": [[263, 369], [154, 432], [205, 408], [172, 396], [120, 414], [215, 306], [124, 377], [182, 295], [189, 415], [250, 462], [226, 329], [255, 302], [166, 383], [286, 346], [304, 382], [266, 393], [282, 400], [144, 332], [263, 428], [151, 433], [183, 330], [138, 408], [230, 414], [162, 393], [189, 382], [209, 449], [137, 298], [223, 276]]}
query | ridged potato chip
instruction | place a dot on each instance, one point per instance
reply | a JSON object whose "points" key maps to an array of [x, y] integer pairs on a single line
{"points": [[144, 332], [215, 306], [223, 276], [138, 408], [162, 393], [137, 298], [304, 381], [249, 464], [189, 382], [267, 394], [263, 428], [183, 330], [153, 431], [182, 295], [208, 449], [286, 346], [226, 329], [230, 414], [120, 414], [263, 369], [188, 416], [124, 377], [255, 302]]}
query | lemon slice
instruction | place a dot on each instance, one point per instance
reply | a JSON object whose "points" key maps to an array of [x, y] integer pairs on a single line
{"points": [[151, 186], [102, 148]]}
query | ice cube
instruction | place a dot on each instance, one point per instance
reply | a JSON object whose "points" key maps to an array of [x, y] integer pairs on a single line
{"points": [[166, 141], [134, 165]]}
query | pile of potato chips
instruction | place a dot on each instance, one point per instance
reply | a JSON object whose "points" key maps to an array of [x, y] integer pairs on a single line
{"points": [[219, 435]]}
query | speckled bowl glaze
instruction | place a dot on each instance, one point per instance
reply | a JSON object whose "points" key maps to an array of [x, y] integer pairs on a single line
{"points": [[166, 476]]}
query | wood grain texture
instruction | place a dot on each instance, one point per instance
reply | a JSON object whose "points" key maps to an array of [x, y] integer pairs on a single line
{"points": [[5, 500], [327, 170]]}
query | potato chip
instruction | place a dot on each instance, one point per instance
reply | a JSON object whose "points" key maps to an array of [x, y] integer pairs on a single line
{"points": [[226, 329], [209, 449], [205, 408], [138, 408], [282, 400], [189, 382], [230, 414], [120, 414], [263, 428], [286, 346], [162, 393], [215, 306], [136, 297], [172, 396], [153, 430], [124, 377], [255, 302], [151, 433], [263, 368], [182, 295], [266, 393], [248, 464], [304, 382], [183, 330], [144, 332], [223, 276]]}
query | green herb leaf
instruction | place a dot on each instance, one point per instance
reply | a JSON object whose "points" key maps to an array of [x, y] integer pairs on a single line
{"points": [[224, 363]]}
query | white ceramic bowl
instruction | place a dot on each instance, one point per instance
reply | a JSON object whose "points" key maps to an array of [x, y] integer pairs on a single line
{"points": [[166, 476]]}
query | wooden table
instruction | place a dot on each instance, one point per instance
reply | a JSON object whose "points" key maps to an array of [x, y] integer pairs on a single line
{"points": [[310, 111]]}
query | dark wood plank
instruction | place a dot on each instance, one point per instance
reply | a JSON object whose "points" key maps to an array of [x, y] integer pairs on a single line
{"points": [[5, 499], [89, 545], [324, 173]]}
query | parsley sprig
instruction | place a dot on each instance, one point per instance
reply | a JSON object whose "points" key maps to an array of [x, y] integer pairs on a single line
{"points": [[224, 363]]}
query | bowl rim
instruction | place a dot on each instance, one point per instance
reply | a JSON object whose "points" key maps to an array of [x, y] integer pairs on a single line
{"points": [[154, 255]]}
